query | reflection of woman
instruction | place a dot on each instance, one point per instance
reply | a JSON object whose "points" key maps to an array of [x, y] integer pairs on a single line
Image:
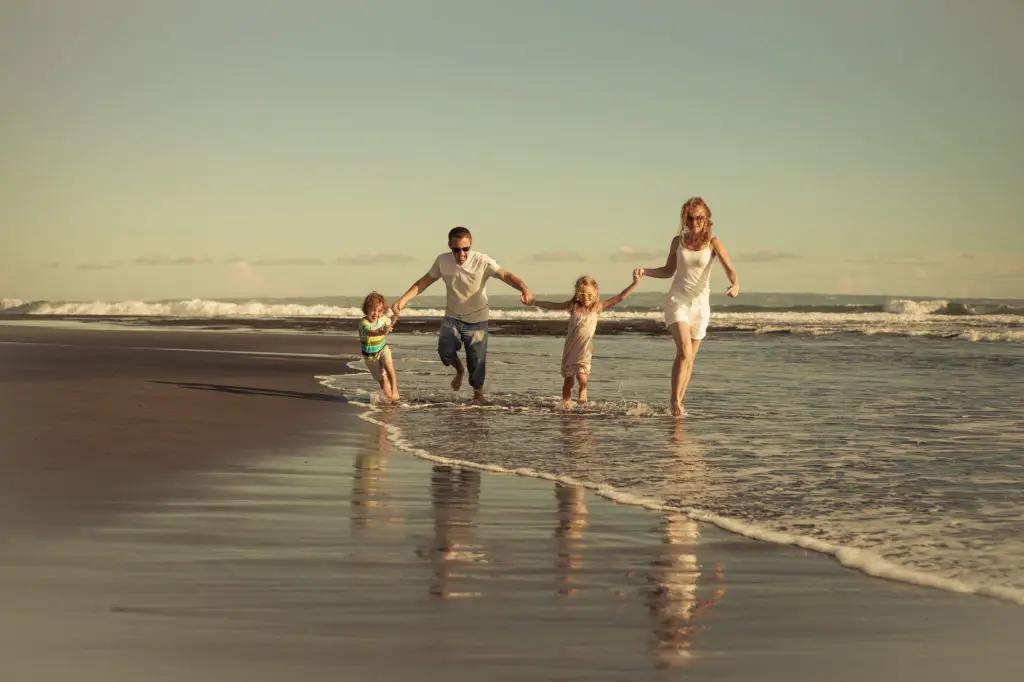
{"points": [[673, 600], [688, 306], [456, 496], [572, 519]]}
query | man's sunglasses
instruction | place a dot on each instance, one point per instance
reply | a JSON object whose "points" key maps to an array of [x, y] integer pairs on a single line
{"points": [[463, 249]]}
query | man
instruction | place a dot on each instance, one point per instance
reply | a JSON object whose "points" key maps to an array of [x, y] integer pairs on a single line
{"points": [[465, 273]]}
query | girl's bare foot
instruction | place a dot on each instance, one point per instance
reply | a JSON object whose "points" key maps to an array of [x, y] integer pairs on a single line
{"points": [[583, 396], [677, 410], [567, 405], [457, 381]]}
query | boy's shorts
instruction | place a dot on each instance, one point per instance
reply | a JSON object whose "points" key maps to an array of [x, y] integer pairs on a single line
{"points": [[375, 362]]}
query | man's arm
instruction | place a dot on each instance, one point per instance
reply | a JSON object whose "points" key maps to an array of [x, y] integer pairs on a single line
{"points": [[516, 283], [415, 290]]}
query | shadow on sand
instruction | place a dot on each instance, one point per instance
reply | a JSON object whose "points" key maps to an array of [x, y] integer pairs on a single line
{"points": [[255, 390]]}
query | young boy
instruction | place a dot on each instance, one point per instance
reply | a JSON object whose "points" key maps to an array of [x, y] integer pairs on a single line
{"points": [[373, 331]]}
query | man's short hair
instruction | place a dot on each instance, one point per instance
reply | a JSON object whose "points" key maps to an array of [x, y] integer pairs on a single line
{"points": [[459, 233]]}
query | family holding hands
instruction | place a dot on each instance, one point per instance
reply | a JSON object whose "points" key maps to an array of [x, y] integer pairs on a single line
{"points": [[465, 273]]}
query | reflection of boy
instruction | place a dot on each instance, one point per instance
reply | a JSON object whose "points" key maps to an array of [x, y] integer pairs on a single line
{"points": [[373, 331]]}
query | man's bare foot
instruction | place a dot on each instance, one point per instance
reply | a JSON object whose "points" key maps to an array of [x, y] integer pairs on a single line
{"points": [[457, 381], [478, 396], [677, 410]]}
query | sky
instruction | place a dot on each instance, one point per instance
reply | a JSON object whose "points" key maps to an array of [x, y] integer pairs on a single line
{"points": [[230, 148]]}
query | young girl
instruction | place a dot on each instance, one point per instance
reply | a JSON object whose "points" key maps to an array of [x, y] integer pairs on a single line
{"points": [[584, 308], [373, 331]]}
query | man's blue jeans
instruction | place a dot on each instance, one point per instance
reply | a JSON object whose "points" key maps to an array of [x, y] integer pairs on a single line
{"points": [[454, 334]]}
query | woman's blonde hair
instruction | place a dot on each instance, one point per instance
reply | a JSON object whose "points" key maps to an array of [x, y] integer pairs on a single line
{"points": [[585, 281], [698, 235]]}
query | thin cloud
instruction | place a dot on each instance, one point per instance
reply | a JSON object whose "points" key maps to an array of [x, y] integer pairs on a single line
{"points": [[374, 259], [51, 266], [94, 266], [160, 259], [289, 261], [558, 257], [766, 256], [627, 254]]}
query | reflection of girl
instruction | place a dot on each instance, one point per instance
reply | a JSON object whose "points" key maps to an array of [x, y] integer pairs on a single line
{"points": [[688, 306], [572, 519]]}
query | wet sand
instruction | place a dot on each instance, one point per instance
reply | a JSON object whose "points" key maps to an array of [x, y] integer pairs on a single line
{"points": [[172, 514]]}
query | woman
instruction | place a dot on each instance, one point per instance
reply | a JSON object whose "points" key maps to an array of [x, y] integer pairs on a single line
{"points": [[688, 307]]}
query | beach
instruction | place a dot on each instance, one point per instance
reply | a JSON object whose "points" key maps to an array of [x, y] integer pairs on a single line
{"points": [[197, 505]]}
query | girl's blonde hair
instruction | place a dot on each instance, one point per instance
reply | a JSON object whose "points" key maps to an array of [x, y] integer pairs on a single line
{"points": [[695, 235], [585, 281], [372, 300]]}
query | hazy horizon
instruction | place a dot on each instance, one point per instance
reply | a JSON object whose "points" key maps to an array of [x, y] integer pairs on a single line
{"points": [[261, 149]]}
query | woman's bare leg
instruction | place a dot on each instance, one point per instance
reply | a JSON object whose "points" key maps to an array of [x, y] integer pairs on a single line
{"points": [[682, 366]]}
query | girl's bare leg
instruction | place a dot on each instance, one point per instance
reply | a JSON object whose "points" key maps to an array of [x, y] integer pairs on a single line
{"points": [[567, 384], [581, 379]]}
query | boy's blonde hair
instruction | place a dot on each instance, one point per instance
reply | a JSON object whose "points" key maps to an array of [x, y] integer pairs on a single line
{"points": [[372, 300], [585, 281]]}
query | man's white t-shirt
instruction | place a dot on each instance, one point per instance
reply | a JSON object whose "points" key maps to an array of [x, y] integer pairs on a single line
{"points": [[466, 284]]}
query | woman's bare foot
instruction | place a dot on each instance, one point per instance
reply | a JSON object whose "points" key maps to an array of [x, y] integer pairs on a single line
{"points": [[677, 410], [457, 381]]}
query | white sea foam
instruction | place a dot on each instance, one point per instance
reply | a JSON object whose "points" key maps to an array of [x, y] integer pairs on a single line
{"points": [[902, 317], [863, 560], [907, 307]]}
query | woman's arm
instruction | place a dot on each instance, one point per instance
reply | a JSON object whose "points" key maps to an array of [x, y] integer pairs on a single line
{"points": [[552, 305], [734, 281], [624, 294], [668, 269]]}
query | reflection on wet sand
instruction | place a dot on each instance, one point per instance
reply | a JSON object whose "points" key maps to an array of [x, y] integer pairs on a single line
{"points": [[455, 493], [673, 599], [572, 519], [371, 499]]}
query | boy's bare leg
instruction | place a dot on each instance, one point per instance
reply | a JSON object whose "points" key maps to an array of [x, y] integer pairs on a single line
{"points": [[389, 373], [581, 379], [567, 392], [460, 373]]}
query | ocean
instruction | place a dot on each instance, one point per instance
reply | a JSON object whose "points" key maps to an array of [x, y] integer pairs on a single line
{"points": [[887, 432]]}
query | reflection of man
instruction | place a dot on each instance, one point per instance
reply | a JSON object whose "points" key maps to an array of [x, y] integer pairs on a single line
{"points": [[572, 519], [456, 496], [465, 273], [673, 599]]}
